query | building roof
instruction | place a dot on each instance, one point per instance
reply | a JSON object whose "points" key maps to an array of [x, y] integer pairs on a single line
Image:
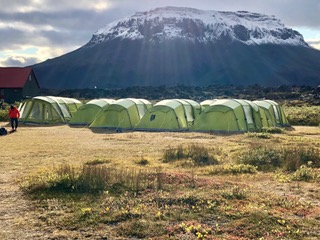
{"points": [[14, 77]]}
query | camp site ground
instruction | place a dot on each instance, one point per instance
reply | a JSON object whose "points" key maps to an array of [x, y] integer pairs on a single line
{"points": [[36, 148]]}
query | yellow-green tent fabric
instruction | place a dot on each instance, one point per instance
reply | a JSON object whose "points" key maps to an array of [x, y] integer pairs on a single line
{"points": [[88, 112], [166, 115], [226, 115], [48, 109], [274, 113], [121, 114], [191, 109], [280, 116], [252, 115]]}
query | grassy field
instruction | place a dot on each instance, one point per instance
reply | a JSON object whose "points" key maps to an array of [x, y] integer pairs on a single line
{"points": [[58, 182]]}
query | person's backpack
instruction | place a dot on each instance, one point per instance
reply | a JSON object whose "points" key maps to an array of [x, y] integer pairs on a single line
{"points": [[3, 131]]}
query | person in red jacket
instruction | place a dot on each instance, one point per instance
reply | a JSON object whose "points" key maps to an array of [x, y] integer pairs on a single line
{"points": [[14, 115]]}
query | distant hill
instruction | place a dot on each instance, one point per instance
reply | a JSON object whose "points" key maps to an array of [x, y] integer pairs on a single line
{"points": [[171, 46]]}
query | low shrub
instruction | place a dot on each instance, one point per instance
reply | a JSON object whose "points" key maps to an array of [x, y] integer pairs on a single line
{"points": [[91, 179], [233, 169], [295, 157], [4, 115], [97, 162], [272, 130], [262, 135], [303, 115], [190, 230], [198, 154], [304, 173], [288, 159], [234, 193], [140, 229], [265, 159], [142, 162]]}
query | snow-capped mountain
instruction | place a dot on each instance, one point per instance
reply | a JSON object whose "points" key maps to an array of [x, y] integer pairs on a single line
{"points": [[198, 25], [183, 46]]}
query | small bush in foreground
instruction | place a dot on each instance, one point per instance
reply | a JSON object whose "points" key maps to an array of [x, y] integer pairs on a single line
{"points": [[142, 162], [233, 169], [97, 162], [262, 135], [295, 157], [4, 115], [303, 115], [304, 173], [234, 193], [140, 229], [198, 154], [288, 159], [272, 130], [190, 230], [265, 159], [91, 179]]}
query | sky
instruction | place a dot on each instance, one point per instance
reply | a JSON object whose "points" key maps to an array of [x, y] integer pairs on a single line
{"points": [[32, 31]]}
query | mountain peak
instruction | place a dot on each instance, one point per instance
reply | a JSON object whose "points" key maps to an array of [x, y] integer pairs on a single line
{"points": [[191, 24]]}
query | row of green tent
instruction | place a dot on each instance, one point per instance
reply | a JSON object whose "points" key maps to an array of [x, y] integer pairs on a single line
{"points": [[47, 109], [228, 115]]}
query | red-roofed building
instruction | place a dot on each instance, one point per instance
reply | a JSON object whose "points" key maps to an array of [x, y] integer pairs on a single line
{"points": [[17, 84]]}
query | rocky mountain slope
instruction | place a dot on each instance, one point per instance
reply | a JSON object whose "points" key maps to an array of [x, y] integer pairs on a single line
{"points": [[172, 46]]}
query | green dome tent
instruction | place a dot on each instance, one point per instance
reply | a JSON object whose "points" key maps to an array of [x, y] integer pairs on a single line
{"points": [[122, 114], [252, 113], [227, 115], [191, 109], [48, 109], [280, 116], [275, 115], [88, 112], [168, 115]]}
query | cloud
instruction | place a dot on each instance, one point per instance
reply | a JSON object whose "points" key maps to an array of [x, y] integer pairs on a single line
{"points": [[24, 6], [65, 25], [314, 43], [19, 61]]}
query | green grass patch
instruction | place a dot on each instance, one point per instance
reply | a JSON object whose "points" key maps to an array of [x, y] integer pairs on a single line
{"points": [[303, 115], [199, 155], [261, 135], [234, 192], [97, 162], [304, 173], [272, 130], [4, 115], [92, 178], [288, 159], [233, 169], [143, 162]]}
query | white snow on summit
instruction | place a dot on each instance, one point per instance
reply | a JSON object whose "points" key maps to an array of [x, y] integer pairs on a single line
{"points": [[199, 25]]}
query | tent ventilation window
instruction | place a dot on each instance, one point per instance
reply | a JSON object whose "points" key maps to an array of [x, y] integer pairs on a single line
{"points": [[152, 117]]}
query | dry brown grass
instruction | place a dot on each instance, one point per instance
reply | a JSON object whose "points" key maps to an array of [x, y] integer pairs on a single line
{"points": [[39, 147]]}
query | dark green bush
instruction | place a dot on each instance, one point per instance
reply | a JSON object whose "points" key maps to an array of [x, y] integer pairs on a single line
{"points": [[233, 169], [294, 157], [272, 130], [4, 115], [265, 159], [289, 159], [91, 179], [305, 174], [303, 115], [97, 162], [142, 162], [199, 155]]}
